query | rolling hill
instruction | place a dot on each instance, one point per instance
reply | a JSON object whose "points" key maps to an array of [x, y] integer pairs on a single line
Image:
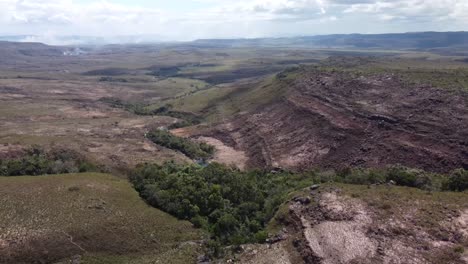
{"points": [[95, 218]]}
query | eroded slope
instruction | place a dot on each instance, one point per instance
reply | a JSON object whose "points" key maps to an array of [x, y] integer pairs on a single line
{"points": [[336, 119], [381, 224]]}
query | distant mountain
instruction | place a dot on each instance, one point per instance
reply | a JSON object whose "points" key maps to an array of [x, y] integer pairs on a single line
{"points": [[12, 49], [418, 40], [448, 43]]}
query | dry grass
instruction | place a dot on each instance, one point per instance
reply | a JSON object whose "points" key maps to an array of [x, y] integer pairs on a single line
{"points": [[98, 216], [424, 220]]}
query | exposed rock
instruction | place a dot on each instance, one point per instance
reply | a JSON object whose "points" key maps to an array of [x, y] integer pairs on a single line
{"points": [[203, 259], [335, 120], [302, 200], [314, 187], [277, 238]]}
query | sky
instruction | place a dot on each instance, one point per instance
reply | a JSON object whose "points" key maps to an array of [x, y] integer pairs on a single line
{"points": [[181, 20]]}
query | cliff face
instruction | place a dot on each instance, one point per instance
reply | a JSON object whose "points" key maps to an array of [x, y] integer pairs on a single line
{"points": [[333, 119]]}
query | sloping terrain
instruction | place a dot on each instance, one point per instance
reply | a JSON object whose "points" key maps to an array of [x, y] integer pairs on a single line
{"points": [[13, 52], [338, 119], [51, 97], [98, 218], [356, 224]]}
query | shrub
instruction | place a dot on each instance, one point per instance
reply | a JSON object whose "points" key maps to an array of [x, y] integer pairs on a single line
{"points": [[402, 176], [199, 222], [457, 181], [37, 161], [214, 249], [261, 236], [85, 166], [73, 188], [191, 149], [362, 176], [459, 249]]}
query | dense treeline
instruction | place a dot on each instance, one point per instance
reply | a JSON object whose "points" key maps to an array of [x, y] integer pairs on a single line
{"points": [[36, 161], [191, 149], [233, 206]]}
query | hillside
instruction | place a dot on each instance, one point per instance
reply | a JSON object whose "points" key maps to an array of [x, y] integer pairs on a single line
{"points": [[339, 223], [338, 117], [13, 52], [97, 218]]}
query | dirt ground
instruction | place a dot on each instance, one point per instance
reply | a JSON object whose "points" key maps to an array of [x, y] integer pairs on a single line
{"points": [[226, 154], [333, 119], [70, 115], [337, 225]]}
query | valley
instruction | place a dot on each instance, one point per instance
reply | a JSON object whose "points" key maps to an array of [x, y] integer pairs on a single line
{"points": [[266, 151]]}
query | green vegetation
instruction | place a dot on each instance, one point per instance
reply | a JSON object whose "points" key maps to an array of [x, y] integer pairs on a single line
{"points": [[439, 73], [234, 206], [191, 149], [455, 79], [197, 101], [219, 103], [458, 181], [97, 216], [215, 103], [37, 161], [165, 71], [136, 108], [188, 119], [455, 181]]}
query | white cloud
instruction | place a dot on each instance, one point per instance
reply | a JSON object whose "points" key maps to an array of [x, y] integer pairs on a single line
{"points": [[414, 10], [230, 18]]}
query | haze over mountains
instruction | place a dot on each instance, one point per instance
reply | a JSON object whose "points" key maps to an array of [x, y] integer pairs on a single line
{"points": [[417, 40], [412, 40]]}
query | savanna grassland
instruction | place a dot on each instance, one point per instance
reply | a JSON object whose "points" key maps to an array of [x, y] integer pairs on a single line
{"points": [[97, 218], [202, 151]]}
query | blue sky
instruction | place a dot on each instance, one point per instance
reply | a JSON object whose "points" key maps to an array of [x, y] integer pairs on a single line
{"points": [[192, 19]]}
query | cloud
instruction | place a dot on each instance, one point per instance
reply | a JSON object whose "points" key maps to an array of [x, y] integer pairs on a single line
{"points": [[229, 18], [413, 10]]}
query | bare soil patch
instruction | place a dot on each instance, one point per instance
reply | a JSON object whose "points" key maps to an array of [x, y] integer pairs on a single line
{"points": [[383, 224], [226, 154]]}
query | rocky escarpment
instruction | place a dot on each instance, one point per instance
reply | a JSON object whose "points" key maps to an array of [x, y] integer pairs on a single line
{"points": [[333, 119]]}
